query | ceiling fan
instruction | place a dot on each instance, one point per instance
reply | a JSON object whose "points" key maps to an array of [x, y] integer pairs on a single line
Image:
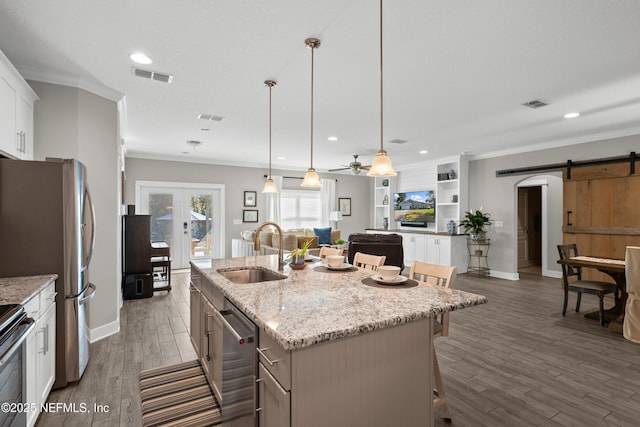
{"points": [[355, 167]]}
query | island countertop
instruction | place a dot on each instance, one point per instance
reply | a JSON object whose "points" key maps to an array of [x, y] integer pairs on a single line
{"points": [[19, 290], [315, 305]]}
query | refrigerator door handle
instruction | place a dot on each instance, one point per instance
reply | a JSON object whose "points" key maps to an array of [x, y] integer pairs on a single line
{"points": [[89, 203], [88, 296]]}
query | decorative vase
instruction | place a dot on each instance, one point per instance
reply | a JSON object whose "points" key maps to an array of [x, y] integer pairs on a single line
{"points": [[385, 182], [385, 223], [297, 263], [385, 200], [451, 174], [451, 227]]}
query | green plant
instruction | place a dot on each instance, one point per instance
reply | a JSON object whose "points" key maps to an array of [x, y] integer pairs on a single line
{"points": [[339, 241], [474, 222], [299, 252]]}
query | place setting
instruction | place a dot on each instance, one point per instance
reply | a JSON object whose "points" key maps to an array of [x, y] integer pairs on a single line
{"points": [[335, 264], [389, 275]]}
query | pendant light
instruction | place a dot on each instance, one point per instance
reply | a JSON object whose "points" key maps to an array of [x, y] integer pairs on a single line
{"points": [[381, 165], [270, 186], [311, 178]]}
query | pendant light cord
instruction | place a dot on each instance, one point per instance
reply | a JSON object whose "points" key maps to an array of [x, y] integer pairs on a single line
{"points": [[313, 48], [381, 92], [270, 87]]}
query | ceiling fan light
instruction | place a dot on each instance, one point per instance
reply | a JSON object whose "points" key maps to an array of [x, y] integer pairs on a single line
{"points": [[270, 186], [355, 171], [311, 179], [381, 165]]}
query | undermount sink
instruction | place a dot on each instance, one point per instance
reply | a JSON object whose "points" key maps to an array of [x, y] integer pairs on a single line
{"points": [[250, 274]]}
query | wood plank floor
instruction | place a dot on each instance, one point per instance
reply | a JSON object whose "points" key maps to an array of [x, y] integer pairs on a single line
{"points": [[512, 362]]}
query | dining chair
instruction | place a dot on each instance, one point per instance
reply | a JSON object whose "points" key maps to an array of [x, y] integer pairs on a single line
{"points": [[326, 251], [631, 324], [367, 261], [572, 281], [445, 277]]}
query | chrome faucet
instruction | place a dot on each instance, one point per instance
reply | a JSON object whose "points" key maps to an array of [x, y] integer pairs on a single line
{"points": [[256, 243]]}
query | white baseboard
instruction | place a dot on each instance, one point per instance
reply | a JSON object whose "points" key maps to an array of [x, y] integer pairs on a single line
{"points": [[552, 273], [505, 275], [96, 334]]}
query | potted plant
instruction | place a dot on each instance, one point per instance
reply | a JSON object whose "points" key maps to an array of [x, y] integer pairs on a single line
{"points": [[296, 257], [474, 222], [340, 243]]}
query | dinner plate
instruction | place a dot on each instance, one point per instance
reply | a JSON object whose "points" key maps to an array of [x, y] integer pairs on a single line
{"points": [[344, 266], [397, 281]]}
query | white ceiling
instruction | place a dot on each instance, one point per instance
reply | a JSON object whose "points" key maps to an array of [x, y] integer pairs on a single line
{"points": [[456, 73]]}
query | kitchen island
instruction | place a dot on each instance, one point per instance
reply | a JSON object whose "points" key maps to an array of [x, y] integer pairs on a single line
{"points": [[347, 351]]}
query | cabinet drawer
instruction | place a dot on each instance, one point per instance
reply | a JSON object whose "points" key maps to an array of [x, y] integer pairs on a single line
{"points": [[32, 307], [47, 296], [276, 359]]}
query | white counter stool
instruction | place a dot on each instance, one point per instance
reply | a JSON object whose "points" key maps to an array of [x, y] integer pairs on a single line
{"points": [[443, 276], [631, 325], [367, 261]]}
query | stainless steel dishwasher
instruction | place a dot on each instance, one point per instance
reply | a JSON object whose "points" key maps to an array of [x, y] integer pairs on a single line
{"points": [[238, 367]]}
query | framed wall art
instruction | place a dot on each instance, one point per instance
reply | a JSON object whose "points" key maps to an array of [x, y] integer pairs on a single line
{"points": [[250, 199], [249, 215], [344, 204]]}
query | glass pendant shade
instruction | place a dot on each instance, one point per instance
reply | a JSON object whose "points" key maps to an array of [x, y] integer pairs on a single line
{"points": [[311, 179], [270, 186], [381, 165]]}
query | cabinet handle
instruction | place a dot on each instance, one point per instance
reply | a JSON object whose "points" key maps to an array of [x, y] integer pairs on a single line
{"points": [[255, 392], [261, 353], [46, 339], [19, 142], [208, 333]]}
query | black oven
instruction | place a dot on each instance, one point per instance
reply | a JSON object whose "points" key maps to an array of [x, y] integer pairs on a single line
{"points": [[14, 328]]}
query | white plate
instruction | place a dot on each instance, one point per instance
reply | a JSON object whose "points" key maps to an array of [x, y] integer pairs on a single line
{"points": [[398, 280], [344, 266]]}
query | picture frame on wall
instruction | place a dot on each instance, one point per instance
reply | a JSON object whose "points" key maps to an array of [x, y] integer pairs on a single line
{"points": [[249, 215], [344, 203], [251, 199]]}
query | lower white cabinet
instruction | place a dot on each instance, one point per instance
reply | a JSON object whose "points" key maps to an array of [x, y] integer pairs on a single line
{"points": [[275, 401], [40, 351], [438, 250]]}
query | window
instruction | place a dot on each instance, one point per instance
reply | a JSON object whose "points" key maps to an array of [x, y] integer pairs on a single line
{"points": [[299, 209]]}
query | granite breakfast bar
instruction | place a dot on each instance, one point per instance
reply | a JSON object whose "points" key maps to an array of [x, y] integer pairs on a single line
{"points": [[351, 352]]}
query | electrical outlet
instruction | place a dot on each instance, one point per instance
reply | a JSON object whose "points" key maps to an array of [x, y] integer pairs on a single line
{"points": [[237, 221]]}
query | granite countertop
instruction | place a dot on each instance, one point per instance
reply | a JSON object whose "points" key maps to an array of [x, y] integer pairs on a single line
{"points": [[19, 290], [315, 305]]}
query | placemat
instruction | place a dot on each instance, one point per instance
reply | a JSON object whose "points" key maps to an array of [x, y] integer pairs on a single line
{"points": [[410, 283], [323, 269]]}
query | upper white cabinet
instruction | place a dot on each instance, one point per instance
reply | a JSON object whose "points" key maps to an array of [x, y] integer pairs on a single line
{"points": [[451, 192], [382, 202], [16, 112]]}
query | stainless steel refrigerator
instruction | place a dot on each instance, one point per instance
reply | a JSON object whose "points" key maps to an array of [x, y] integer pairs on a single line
{"points": [[47, 226]]}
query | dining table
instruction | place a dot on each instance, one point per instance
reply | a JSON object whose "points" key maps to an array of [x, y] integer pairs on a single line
{"points": [[614, 268]]}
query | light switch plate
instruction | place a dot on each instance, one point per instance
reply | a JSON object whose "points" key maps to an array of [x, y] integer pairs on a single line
{"points": [[237, 221], [498, 224]]}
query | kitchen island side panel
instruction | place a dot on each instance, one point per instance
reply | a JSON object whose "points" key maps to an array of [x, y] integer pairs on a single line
{"points": [[381, 378]]}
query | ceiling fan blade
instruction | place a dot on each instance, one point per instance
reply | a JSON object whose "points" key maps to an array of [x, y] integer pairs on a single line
{"points": [[341, 169], [365, 167]]}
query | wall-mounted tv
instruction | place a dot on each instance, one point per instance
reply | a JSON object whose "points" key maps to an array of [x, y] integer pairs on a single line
{"points": [[414, 208]]}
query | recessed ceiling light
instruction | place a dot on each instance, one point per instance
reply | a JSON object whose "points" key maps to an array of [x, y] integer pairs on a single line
{"points": [[281, 158], [424, 151], [571, 115], [204, 129], [140, 58], [333, 138]]}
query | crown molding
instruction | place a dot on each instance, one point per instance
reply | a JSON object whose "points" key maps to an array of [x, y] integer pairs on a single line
{"points": [[63, 79]]}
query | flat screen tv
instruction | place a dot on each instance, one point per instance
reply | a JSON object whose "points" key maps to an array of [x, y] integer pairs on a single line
{"points": [[414, 208]]}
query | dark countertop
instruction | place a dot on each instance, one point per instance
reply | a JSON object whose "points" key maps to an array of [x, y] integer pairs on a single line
{"points": [[19, 290], [405, 230]]}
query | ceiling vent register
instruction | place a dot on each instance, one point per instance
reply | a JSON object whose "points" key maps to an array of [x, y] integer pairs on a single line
{"points": [[152, 75], [535, 104], [210, 117]]}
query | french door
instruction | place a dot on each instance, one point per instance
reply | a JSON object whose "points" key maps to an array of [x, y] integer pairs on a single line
{"points": [[187, 216]]}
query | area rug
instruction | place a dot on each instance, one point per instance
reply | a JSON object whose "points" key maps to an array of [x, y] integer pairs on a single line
{"points": [[178, 395]]}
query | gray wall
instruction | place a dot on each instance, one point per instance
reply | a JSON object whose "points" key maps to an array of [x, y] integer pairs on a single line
{"points": [[73, 123], [239, 179], [498, 195]]}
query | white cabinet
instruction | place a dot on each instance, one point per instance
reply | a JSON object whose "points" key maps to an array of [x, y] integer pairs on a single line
{"points": [[40, 351], [438, 250], [414, 248], [275, 401], [16, 112]]}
